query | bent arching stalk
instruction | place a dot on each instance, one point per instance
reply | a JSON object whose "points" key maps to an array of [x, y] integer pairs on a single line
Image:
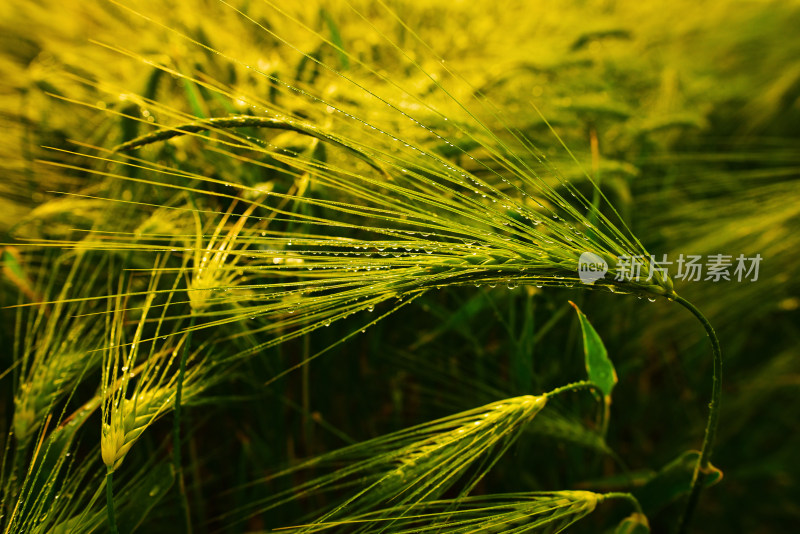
{"points": [[219, 123], [704, 462]]}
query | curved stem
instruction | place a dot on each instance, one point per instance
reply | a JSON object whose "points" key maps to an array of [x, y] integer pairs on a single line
{"points": [[575, 386], [112, 520], [247, 121], [703, 463], [627, 497]]}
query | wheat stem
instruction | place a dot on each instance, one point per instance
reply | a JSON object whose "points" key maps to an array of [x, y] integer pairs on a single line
{"points": [[245, 122], [703, 463], [112, 520], [176, 427], [627, 497], [575, 386]]}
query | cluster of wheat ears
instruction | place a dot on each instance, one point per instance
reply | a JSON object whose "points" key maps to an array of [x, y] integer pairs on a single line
{"points": [[194, 234]]}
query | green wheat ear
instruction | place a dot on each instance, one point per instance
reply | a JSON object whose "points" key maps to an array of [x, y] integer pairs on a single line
{"points": [[138, 387], [419, 233], [541, 512], [535, 512], [410, 466], [398, 479], [59, 346]]}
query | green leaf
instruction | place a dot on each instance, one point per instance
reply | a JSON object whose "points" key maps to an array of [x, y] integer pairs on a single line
{"points": [[336, 38], [12, 264], [11, 267], [672, 481], [598, 366]]}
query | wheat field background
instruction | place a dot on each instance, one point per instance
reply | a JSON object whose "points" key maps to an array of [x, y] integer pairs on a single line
{"points": [[308, 266]]}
